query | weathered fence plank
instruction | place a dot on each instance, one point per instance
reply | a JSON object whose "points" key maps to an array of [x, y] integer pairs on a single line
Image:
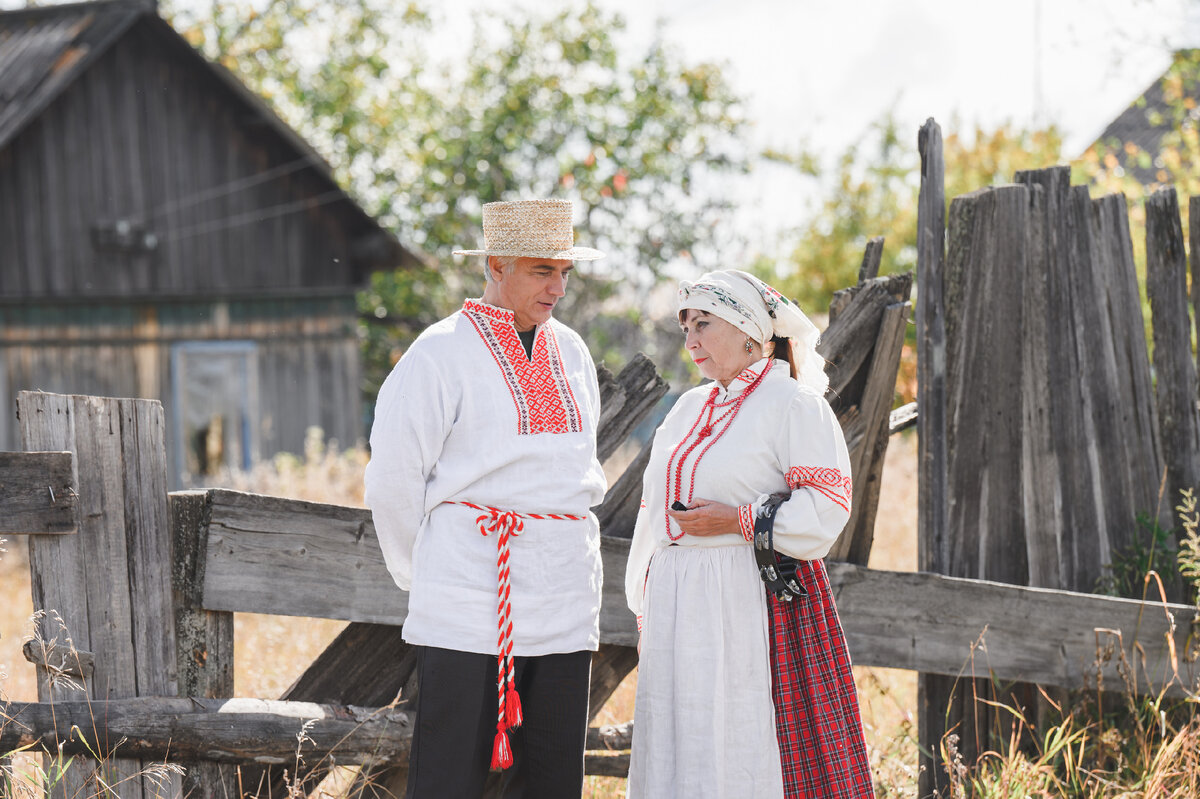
{"points": [[1041, 488], [217, 730], [1062, 496], [638, 389], [1194, 242], [932, 549], [37, 492], [1138, 416], [932, 501], [268, 554], [116, 565], [929, 623], [1106, 456], [1166, 287], [618, 512], [244, 731], [847, 345], [984, 284], [868, 438], [872, 257], [984, 281], [261, 550], [1030, 626], [204, 639]]}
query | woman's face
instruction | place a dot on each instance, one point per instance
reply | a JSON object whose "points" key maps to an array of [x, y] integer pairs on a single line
{"points": [[717, 347]]}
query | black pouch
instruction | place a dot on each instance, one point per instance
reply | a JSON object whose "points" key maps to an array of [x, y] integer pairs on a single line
{"points": [[778, 571]]}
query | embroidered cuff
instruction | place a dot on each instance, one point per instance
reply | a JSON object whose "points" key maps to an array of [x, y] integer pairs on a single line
{"points": [[746, 521], [639, 621]]}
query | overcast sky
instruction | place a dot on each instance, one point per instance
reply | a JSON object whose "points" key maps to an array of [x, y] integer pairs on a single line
{"points": [[818, 74], [825, 70]]}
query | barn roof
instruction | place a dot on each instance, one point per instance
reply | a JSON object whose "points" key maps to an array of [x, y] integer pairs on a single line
{"points": [[43, 50], [1148, 119]]}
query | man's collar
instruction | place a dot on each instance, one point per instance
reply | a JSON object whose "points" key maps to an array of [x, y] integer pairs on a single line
{"points": [[492, 312]]}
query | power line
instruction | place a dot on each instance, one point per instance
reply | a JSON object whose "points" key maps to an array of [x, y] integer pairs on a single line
{"points": [[230, 187], [259, 215]]}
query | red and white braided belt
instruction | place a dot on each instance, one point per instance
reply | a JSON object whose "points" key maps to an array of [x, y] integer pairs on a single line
{"points": [[506, 524]]}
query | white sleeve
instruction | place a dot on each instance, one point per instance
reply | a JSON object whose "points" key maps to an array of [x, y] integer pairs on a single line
{"points": [[816, 464], [413, 416], [641, 549], [646, 533]]}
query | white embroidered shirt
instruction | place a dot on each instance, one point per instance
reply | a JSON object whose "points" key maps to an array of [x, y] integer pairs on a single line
{"points": [[467, 416], [785, 436]]}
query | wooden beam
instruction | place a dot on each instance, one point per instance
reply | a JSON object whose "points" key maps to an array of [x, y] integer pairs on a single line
{"points": [[917, 621], [242, 731], [216, 730], [38, 493], [902, 418], [59, 660], [291, 558], [929, 623]]}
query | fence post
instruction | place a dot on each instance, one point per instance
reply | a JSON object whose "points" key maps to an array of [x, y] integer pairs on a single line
{"points": [[1166, 287], [1194, 242], [931, 421], [107, 583], [204, 642]]}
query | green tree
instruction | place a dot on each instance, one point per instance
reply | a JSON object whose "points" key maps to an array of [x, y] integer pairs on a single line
{"points": [[544, 105], [873, 192]]}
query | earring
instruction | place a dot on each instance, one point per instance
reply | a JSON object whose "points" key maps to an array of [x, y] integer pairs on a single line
{"points": [[749, 346]]}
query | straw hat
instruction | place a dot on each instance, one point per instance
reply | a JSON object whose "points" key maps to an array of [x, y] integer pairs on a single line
{"points": [[531, 229]]}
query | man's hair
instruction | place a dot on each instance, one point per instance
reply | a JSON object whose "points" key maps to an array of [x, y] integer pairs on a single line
{"points": [[508, 262]]}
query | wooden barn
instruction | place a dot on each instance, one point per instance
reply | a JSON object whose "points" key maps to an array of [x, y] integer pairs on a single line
{"points": [[166, 235]]}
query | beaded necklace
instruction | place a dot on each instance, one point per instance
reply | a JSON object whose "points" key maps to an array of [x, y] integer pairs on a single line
{"points": [[708, 431]]}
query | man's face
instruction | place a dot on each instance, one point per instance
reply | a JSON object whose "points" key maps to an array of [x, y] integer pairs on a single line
{"points": [[530, 290]]}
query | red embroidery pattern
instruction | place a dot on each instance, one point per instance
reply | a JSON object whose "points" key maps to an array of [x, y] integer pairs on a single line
{"points": [[746, 521], [539, 387], [711, 429], [830, 482]]}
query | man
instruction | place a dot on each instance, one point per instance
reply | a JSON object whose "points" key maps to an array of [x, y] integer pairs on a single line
{"points": [[483, 468]]}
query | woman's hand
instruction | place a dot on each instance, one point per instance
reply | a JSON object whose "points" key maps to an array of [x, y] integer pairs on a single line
{"points": [[706, 517]]}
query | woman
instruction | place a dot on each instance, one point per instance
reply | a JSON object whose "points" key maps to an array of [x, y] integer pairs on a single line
{"points": [[741, 694]]}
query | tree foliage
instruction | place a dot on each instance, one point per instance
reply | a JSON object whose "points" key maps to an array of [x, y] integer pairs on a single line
{"points": [[874, 188], [538, 105]]}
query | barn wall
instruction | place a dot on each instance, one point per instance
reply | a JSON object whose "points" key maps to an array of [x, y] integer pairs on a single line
{"points": [[305, 357]]}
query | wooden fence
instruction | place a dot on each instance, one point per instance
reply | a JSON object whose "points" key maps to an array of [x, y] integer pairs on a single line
{"points": [[147, 583], [1043, 436]]}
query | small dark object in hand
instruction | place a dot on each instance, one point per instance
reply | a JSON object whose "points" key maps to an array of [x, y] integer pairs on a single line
{"points": [[677, 505]]}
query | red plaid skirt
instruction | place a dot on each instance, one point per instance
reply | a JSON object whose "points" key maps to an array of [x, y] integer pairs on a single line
{"points": [[821, 744]]}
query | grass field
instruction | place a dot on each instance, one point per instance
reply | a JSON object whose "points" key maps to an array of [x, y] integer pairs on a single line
{"points": [[271, 651]]}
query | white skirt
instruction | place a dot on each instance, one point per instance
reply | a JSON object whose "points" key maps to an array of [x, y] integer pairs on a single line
{"points": [[704, 723]]}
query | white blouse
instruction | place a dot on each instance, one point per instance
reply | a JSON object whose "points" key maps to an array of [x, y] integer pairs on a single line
{"points": [[784, 436], [467, 416]]}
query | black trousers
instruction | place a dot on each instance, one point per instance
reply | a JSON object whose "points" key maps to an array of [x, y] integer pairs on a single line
{"points": [[456, 726]]}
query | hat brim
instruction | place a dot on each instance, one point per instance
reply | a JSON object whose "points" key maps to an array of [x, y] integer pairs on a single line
{"points": [[573, 254]]}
